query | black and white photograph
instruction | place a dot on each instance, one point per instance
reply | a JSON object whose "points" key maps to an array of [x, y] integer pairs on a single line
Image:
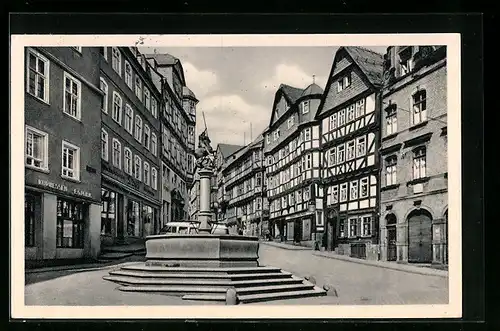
{"points": [[286, 176]]}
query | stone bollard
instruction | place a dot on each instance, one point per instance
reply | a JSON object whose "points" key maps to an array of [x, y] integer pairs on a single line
{"points": [[231, 297], [330, 290]]}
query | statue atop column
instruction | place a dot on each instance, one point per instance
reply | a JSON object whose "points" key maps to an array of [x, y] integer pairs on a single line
{"points": [[205, 158]]}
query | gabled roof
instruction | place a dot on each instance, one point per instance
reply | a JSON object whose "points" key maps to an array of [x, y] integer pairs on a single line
{"points": [[228, 149], [291, 94], [235, 156], [370, 62]]}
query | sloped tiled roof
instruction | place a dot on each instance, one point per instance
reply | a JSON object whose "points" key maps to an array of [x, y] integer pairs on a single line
{"points": [[291, 92], [370, 62], [187, 92], [228, 149], [163, 59], [312, 89], [235, 156]]}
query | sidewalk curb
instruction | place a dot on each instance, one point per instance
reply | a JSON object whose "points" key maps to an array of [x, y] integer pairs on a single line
{"points": [[409, 269], [76, 269], [284, 246]]}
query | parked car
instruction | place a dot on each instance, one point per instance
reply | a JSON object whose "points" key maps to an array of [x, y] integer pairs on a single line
{"points": [[219, 228], [180, 228]]}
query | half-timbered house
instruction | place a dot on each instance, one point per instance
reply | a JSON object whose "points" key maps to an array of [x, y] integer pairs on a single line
{"points": [[292, 152], [350, 117]]}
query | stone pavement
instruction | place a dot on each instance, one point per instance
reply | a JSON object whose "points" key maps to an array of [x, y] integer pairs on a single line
{"points": [[285, 246], [355, 283]]}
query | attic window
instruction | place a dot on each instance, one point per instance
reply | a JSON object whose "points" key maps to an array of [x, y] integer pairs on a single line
{"points": [[405, 60], [305, 107], [344, 82]]}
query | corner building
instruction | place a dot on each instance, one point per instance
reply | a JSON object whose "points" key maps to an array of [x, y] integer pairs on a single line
{"points": [[292, 153], [350, 139], [62, 162], [414, 190], [130, 137]]}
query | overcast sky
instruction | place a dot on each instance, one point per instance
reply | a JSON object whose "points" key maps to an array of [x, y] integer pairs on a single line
{"points": [[236, 86]]}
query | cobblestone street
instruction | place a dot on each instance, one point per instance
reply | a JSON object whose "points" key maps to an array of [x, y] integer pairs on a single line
{"points": [[355, 284]]}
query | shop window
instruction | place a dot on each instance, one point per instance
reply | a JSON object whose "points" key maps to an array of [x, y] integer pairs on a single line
{"points": [[70, 223], [133, 218], [108, 211], [30, 202], [148, 219]]}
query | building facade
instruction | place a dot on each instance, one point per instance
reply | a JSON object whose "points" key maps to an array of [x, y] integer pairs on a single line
{"points": [[222, 154], [350, 117], [292, 154], [178, 121], [414, 194], [62, 162], [130, 138], [245, 189]]}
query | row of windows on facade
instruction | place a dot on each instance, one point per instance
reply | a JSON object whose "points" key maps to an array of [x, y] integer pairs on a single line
{"points": [[347, 114], [293, 171], [418, 113], [291, 199], [147, 174], [39, 83], [256, 156], [128, 123], [358, 226], [70, 221], [358, 189], [137, 85], [355, 148], [419, 166], [247, 186], [174, 150], [174, 179], [292, 146], [248, 209], [303, 107], [149, 101], [37, 154]]}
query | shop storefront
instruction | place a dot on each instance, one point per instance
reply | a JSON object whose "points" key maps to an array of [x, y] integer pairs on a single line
{"points": [[60, 223], [127, 213]]}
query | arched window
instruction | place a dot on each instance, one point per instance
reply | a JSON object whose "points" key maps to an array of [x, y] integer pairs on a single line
{"points": [[137, 167], [117, 108], [117, 153], [138, 128], [154, 144], [127, 160], [147, 136], [117, 61], [129, 118]]}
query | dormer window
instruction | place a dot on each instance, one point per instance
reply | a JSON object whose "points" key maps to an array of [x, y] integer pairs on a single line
{"points": [[290, 122], [344, 82], [305, 107], [405, 60]]}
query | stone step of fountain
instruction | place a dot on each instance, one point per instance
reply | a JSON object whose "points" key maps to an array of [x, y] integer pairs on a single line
{"points": [[136, 281], [259, 297], [198, 275], [245, 291], [143, 267]]}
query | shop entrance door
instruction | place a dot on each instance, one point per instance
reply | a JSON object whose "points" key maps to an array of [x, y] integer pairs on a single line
{"points": [[391, 243]]}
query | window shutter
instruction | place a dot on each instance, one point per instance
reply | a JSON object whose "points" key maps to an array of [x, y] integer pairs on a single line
{"points": [[359, 226]]}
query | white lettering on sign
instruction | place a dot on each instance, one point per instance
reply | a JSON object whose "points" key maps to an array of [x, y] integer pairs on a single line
{"points": [[64, 188], [82, 193], [53, 185]]}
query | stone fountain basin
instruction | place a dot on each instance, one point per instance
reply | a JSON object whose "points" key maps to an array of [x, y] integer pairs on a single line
{"points": [[202, 250]]}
